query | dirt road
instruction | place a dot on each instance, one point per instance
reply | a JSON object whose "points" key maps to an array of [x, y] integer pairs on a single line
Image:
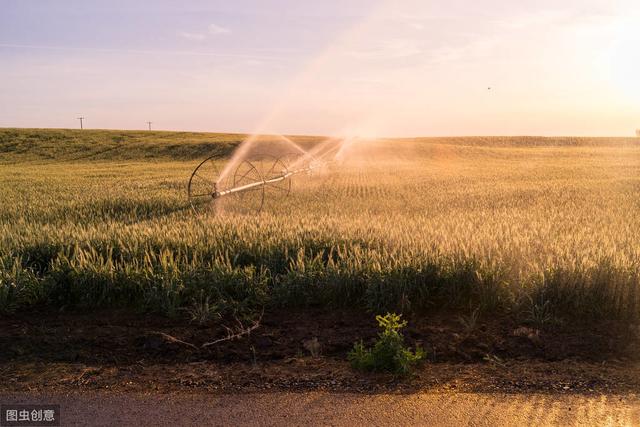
{"points": [[337, 409]]}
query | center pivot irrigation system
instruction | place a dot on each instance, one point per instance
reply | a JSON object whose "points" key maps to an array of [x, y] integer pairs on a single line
{"points": [[243, 187]]}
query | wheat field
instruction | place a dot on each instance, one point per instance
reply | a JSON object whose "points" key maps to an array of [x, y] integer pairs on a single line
{"points": [[98, 219]]}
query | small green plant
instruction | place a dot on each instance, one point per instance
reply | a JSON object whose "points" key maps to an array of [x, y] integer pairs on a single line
{"points": [[470, 322], [202, 310], [389, 353], [313, 346], [539, 312], [7, 297]]}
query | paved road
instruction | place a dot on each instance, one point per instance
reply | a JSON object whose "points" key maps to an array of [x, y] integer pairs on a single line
{"points": [[337, 409]]}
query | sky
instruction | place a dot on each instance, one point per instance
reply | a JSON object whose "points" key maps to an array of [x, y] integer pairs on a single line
{"points": [[344, 68]]}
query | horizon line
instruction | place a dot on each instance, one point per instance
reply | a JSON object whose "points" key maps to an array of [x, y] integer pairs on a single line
{"points": [[240, 133]]}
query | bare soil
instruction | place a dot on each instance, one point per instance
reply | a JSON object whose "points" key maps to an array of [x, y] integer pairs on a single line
{"points": [[124, 351]]}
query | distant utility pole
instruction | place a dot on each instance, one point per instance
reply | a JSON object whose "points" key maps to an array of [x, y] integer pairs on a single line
{"points": [[81, 119], [149, 123]]}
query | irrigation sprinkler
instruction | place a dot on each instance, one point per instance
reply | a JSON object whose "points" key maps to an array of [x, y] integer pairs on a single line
{"points": [[247, 183]]}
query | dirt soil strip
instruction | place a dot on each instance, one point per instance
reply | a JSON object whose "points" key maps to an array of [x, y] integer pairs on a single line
{"points": [[120, 338], [311, 375], [336, 409]]}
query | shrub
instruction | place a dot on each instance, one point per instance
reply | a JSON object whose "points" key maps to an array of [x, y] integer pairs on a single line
{"points": [[389, 353]]}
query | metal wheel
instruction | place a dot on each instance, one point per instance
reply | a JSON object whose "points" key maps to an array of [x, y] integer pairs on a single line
{"points": [[250, 200], [203, 184], [275, 167]]}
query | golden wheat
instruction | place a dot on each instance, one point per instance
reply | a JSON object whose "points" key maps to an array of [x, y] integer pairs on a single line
{"points": [[393, 223]]}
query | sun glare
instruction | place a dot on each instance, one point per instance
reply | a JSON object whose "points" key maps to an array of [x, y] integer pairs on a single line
{"points": [[624, 60]]}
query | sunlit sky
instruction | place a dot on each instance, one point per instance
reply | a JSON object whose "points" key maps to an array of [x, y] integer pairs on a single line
{"points": [[357, 67]]}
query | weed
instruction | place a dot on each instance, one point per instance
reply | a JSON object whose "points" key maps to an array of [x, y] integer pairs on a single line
{"points": [[202, 311], [539, 312], [470, 322], [7, 297], [389, 353], [494, 360], [313, 347]]}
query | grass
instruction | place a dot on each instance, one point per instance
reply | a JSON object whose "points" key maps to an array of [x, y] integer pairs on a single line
{"points": [[542, 227]]}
